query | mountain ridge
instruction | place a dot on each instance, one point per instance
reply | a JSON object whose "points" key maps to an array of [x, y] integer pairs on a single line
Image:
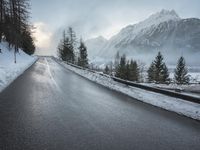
{"points": [[164, 31]]}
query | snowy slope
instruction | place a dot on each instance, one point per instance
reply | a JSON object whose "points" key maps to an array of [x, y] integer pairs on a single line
{"points": [[131, 32], [179, 106], [8, 69], [164, 31]]}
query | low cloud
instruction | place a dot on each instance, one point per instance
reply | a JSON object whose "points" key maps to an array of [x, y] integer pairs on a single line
{"points": [[43, 38]]}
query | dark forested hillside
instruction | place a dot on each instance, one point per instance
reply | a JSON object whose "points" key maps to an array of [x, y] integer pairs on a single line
{"points": [[14, 25]]}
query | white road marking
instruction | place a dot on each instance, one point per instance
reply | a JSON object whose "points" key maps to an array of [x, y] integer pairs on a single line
{"points": [[49, 71]]}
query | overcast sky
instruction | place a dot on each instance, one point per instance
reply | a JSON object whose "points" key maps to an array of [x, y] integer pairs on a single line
{"points": [[91, 18]]}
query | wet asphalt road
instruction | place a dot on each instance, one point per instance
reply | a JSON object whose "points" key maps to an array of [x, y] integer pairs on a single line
{"points": [[51, 108]]}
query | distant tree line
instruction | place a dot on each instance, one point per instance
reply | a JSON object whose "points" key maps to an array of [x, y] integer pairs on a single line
{"points": [[70, 52], [14, 25], [157, 72], [127, 70], [124, 69]]}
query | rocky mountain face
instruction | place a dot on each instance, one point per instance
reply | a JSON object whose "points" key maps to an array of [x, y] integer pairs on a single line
{"points": [[164, 31]]}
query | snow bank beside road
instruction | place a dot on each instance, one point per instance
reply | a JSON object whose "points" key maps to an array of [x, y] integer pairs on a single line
{"points": [[191, 89], [9, 71], [172, 104]]}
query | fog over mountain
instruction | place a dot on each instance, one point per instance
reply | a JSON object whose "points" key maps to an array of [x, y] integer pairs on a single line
{"points": [[163, 31], [95, 45]]}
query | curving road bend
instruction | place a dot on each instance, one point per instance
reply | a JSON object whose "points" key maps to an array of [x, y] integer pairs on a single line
{"points": [[51, 108]]}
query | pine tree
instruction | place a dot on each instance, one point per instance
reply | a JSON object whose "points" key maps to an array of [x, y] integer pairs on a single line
{"points": [[72, 42], [107, 70], [164, 74], [62, 47], [151, 72], [61, 53], [25, 41], [82, 60], [158, 71], [158, 67], [68, 54], [65, 48], [181, 72], [134, 71], [127, 71], [2, 17], [121, 69], [19, 17]]}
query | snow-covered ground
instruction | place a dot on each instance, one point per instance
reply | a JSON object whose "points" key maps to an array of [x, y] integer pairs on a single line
{"points": [[169, 103], [9, 71], [193, 73], [193, 88]]}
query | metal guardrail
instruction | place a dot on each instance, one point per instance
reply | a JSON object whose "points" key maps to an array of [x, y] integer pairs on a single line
{"points": [[144, 87], [161, 91]]}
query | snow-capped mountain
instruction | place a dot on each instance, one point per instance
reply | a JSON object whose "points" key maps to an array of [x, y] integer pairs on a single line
{"points": [[164, 31]]}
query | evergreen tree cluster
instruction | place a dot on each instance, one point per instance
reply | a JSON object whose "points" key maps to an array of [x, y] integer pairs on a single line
{"points": [[127, 70], [158, 71], [14, 25], [82, 59], [66, 48], [68, 51]]}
